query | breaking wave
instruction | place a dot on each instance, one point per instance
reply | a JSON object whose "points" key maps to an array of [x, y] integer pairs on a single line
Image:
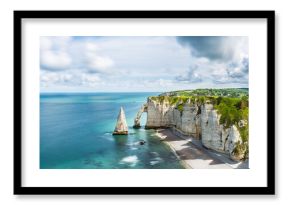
{"points": [[130, 160]]}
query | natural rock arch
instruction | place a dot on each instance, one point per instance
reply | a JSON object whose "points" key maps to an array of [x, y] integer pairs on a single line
{"points": [[139, 115]]}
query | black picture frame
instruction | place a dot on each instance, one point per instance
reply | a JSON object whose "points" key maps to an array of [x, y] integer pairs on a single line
{"points": [[269, 16]]}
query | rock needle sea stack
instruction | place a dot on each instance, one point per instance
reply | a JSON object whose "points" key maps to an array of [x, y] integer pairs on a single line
{"points": [[121, 126]]}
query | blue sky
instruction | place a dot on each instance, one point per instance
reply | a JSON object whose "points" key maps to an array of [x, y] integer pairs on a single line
{"points": [[149, 63]]}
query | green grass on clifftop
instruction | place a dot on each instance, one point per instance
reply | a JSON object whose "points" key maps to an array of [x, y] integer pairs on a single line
{"points": [[226, 92]]}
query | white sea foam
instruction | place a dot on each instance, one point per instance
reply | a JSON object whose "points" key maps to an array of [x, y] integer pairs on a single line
{"points": [[154, 162], [155, 154], [133, 144], [131, 160], [133, 148], [158, 158]]}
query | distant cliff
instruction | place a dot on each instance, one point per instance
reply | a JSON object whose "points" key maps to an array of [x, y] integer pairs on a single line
{"points": [[220, 123]]}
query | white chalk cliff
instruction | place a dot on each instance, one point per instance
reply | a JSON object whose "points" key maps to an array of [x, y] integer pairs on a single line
{"points": [[201, 121]]}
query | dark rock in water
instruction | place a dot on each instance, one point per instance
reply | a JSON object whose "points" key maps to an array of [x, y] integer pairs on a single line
{"points": [[136, 126], [142, 142]]}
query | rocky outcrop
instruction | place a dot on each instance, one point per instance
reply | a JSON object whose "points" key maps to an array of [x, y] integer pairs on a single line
{"points": [[201, 121], [138, 116], [121, 125]]}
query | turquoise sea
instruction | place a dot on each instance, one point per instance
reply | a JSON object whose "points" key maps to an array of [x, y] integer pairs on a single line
{"points": [[76, 133]]}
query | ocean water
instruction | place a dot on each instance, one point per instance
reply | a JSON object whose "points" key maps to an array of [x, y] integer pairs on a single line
{"points": [[76, 133]]}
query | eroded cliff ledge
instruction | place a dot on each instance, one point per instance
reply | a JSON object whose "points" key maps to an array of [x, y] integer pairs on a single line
{"points": [[218, 125]]}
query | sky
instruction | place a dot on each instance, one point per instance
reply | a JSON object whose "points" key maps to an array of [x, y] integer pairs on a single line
{"points": [[142, 63]]}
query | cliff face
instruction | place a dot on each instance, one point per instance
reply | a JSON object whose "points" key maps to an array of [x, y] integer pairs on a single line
{"points": [[215, 136], [165, 115], [159, 114], [199, 121]]}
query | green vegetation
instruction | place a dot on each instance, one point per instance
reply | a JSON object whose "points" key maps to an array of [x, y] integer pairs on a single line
{"points": [[241, 149], [172, 100], [180, 107], [227, 92], [234, 111], [231, 103]]}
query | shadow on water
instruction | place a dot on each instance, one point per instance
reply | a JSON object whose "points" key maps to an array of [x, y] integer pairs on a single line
{"points": [[120, 140]]}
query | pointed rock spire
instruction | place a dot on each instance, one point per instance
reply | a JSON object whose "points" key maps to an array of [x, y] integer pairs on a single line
{"points": [[121, 125]]}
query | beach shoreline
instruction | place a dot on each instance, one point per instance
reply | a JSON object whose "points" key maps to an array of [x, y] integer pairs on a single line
{"points": [[194, 156]]}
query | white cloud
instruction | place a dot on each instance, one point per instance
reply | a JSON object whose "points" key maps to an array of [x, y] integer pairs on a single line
{"points": [[98, 63], [55, 60], [60, 53], [217, 60], [55, 42], [191, 76], [138, 63], [49, 78], [90, 78], [54, 53], [92, 59]]}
